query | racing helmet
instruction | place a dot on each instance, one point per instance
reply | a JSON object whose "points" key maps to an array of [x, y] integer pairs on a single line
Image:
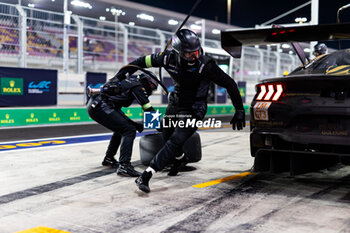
{"points": [[320, 49], [148, 83], [187, 45]]}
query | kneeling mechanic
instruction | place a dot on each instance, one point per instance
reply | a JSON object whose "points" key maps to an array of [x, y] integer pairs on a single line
{"points": [[105, 108]]}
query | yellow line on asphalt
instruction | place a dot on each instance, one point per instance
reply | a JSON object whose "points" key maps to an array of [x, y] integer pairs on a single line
{"points": [[42, 230], [218, 181]]}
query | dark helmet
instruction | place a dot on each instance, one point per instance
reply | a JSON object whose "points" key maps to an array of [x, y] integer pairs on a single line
{"points": [[148, 83], [320, 49], [186, 41]]}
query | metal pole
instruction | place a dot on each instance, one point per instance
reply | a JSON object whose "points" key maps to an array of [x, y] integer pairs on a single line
{"points": [[203, 32], [116, 39], [261, 54], [19, 2], [314, 21], [22, 36], [126, 35], [80, 45], [314, 11], [161, 38], [229, 12], [278, 62], [230, 67], [241, 65], [287, 13], [65, 37]]}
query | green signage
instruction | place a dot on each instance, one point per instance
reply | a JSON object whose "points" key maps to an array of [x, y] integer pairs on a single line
{"points": [[11, 86], [21, 117], [242, 91]]}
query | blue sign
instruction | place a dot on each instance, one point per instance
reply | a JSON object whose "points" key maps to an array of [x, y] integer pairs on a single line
{"points": [[95, 80], [151, 120], [221, 95], [39, 87], [27, 87]]}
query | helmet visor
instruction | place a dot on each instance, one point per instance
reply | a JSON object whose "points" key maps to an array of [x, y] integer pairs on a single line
{"points": [[191, 56]]}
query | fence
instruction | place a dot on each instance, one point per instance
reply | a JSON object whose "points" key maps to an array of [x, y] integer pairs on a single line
{"points": [[36, 38]]}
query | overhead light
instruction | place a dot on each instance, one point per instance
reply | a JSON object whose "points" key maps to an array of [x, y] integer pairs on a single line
{"points": [[256, 46], [195, 27], [81, 4], [286, 46], [300, 20], [145, 17], [307, 50], [132, 23], [215, 31], [107, 9], [173, 22], [117, 12], [103, 18], [291, 52], [52, 0], [31, 5]]}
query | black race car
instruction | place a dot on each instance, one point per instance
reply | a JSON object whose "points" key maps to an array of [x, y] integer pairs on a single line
{"points": [[300, 122]]}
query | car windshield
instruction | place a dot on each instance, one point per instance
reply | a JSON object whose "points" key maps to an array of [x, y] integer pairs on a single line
{"points": [[337, 63]]}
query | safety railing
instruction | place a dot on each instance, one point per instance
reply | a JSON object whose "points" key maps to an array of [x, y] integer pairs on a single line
{"points": [[31, 37]]}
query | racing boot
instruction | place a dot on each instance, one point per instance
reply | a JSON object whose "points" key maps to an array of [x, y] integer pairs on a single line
{"points": [[179, 163], [110, 162], [127, 170], [143, 181]]}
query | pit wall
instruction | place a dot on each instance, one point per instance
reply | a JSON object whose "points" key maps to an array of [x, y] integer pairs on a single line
{"points": [[52, 116]]}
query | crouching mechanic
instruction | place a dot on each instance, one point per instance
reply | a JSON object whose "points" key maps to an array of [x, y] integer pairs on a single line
{"points": [[105, 108], [192, 73]]}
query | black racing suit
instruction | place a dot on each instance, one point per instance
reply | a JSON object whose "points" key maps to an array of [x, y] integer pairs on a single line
{"points": [[106, 110], [189, 98]]}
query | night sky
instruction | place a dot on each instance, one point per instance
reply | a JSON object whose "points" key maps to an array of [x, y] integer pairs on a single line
{"points": [[248, 13]]}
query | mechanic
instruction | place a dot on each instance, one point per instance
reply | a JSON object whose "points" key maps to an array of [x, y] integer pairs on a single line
{"points": [[320, 49], [192, 73], [105, 108]]}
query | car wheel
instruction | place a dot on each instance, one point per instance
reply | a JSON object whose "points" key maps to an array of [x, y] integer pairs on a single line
{"points": [[150, 145]]}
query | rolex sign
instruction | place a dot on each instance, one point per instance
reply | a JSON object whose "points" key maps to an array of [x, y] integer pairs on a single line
{"points": [[11, 86]]}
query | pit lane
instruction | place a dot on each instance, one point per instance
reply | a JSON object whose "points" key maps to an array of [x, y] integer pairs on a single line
{"points": [[65, 188]]}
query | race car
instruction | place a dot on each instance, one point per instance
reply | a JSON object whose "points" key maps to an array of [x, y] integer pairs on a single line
{"points": [[300, 122]]}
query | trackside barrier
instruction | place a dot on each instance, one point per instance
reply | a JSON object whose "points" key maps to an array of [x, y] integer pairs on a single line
{"points": [[43, 116]]}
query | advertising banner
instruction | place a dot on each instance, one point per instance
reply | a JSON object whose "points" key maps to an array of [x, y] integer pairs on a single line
{"points": [[38, 116], [242, 87], [221, 95], [27, 87], [95, 80]]}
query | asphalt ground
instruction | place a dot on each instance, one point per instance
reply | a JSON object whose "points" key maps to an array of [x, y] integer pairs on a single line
{"points": [[64, 188]]}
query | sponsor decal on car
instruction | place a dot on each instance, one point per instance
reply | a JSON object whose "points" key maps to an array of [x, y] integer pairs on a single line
{"points": [[260, 110]]}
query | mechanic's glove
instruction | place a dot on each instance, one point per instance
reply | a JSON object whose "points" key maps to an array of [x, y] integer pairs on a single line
{"points": [[121, 75], [138, 126], [111, 88], [238, 120]]}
